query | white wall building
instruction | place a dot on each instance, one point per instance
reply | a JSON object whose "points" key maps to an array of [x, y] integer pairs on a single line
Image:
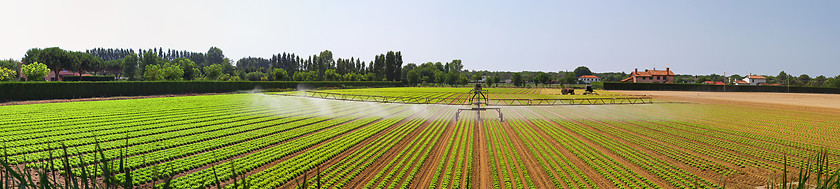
{"points": [[755, 79], [589, 78]]}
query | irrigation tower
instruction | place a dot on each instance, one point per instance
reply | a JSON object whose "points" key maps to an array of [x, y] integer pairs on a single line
{"points": [[478, 98]]}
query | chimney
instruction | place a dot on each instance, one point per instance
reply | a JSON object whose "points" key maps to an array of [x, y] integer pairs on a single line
{"points": [[637, 69], [667, 69]]}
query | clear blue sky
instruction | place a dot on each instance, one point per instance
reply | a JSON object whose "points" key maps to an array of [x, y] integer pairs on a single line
{"points": [[690, 37]]}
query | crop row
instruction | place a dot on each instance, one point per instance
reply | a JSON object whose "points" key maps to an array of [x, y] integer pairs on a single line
{"points": [[201, 154], [618, 174], [284, 171], [551, 160], [670, 173], [411, 157], [507, 157]]}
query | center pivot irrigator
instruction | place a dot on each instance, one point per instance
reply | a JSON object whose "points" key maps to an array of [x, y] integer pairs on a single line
{"points": [[478, 99]]}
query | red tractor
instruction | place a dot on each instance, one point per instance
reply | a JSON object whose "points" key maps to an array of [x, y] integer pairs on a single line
{"points": [[565, 91]]}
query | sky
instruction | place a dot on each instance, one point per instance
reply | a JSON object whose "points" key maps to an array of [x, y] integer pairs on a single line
{"points": [[689, 37]]}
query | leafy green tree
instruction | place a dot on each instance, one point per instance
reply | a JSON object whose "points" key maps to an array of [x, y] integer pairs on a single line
{"points": [[130, 66], [278, 74], [440, 77], [188, 66], [782, 78], [582, 70], [215, 56], [803, 79], [10, 64], [488, 81], [331, 75], [7, 74], [299, 76], [149, 58], [817, 81], [464, 80], [568, 78], [113, 67], [35, 71], [84, 62], [153, 73], [476, 77], [455, 66], [55, 58], [517, 79], [213, 72], [31, 56], [352, 77], [413, 77], [497, 80], [542, 78], [452, 78], [833, 82], [254, 76], [172, 72], [370, 77], [228, 77]]}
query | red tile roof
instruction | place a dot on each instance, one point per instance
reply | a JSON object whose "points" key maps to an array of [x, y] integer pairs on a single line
{"points": [[589, 76], [756, 77], [713, 82], [666, 72], [741, 82]]}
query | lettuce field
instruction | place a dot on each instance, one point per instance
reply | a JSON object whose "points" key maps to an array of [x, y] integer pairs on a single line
{"points": [[273, 141]]}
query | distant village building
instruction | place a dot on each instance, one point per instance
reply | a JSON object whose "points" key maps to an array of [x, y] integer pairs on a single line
{"points": [[61, 74], [651, 76], [713, 82], [589, 79], [755, 79], [741, 82]]}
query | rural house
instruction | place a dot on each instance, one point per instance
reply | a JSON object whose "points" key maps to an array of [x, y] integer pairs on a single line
{"points": [[651, 76], [61, 74], [755, 79], [589, 79]]}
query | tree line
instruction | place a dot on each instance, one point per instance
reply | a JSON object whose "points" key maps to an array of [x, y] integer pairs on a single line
{"points": [[159, 64], [170, 64]]}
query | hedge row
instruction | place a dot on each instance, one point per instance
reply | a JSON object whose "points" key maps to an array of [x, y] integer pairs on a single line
{"points": [[88, 78], [717, 88], [16, 91]]}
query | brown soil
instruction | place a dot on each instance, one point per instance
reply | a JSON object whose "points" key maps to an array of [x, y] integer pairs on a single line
{"points": [[576, 161], [368, 173], [531, 164], [635, 168], [481, 161], [750, 172], [427, 170], [790, 101], [103, 98]]}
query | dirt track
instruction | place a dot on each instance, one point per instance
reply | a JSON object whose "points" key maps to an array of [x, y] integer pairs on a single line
{"points": [[780, 100]]}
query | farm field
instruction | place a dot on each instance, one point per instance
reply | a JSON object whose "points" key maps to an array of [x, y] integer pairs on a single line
{"points": [[459, 96], [273, 141]]}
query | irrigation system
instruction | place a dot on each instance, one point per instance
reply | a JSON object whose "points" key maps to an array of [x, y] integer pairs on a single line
{"points": [[466, 101], [477, 99]]}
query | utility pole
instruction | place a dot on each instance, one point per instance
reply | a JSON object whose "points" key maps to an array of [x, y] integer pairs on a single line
{"points": [[727, 79]]}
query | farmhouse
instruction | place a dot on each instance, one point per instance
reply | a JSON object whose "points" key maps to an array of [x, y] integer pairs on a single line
{"points": [[589, 78], [651, 76], [713, 82], [61, 74], [741, 82], [755, 79]]}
